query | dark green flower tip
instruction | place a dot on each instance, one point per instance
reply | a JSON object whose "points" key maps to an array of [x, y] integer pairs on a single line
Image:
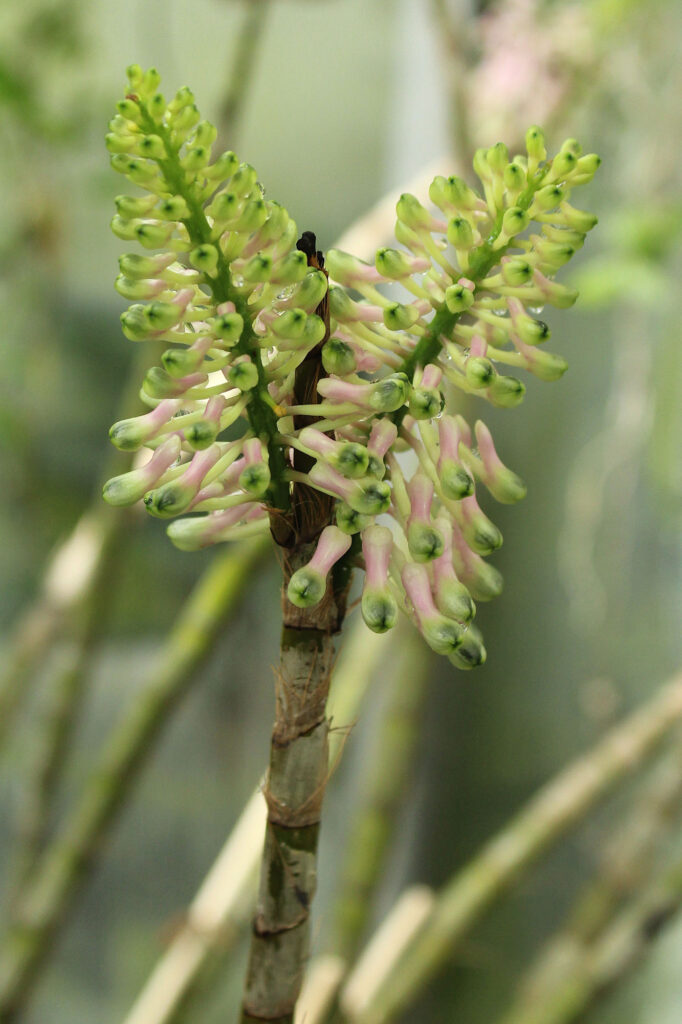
{"points": [[379, 610], [306, 588], [424, 541]]}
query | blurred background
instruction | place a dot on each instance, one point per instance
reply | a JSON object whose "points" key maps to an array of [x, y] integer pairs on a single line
{"points": [[338, 103]]}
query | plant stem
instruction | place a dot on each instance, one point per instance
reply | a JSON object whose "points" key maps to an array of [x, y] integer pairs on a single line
{"points": [[612, 957], [549, 814], [52, 886], [228, 893], [254, 16], [626, 864]]}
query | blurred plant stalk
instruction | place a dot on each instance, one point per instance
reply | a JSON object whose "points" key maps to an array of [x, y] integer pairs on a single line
{"points": [[51, 887], [557, 806], [628, 867]]}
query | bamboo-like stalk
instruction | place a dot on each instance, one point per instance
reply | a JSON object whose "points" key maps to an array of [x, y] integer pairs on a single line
{"points": [[557, 806], [217, 913], [612, 957], [56, 879], [385, 782], [625, 866]]}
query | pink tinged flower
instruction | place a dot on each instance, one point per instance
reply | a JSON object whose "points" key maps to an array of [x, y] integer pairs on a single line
{"points": [[348, 457], [443, 635], [203, 531], [131, 434], [478, 347], [431, 376], [452, 597], [379, 607], [308, 584], [454, 480], [130, 487], [382, 437], [480, 534], [423, 539], [483, 581], [177, 495], [255, 477], [503, 483]]}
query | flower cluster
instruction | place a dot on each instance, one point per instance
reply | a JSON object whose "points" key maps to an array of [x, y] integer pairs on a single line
{"points": [[244, 307]]}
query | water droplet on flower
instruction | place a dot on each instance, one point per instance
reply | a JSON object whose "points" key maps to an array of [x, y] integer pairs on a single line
{"points": [[535, 310]]}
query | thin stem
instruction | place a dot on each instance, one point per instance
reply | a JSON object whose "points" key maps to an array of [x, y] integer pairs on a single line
{"points": [[242, 68], [56, 880], [548, 815], [612, 957], [625, 864]]}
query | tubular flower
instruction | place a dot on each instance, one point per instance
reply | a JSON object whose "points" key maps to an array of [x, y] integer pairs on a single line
{"points": [[247, 310]]}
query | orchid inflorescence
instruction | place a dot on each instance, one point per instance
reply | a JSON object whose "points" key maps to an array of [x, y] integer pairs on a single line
{"points": [[243, 305]]}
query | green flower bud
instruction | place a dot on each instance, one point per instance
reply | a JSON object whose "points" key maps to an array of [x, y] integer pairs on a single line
{"points": [[184, 97], [424, 541], [479, 371], [258, 269], [130, 207], [228, 327], [166, 501], [131, 289], [223, 168], [225, 207], [134, 325], [158, 383], [486, 583], [370, 498], [290, 324], [471, 653], [586, 168], [130, 110], [120, 143], [124, 228], [201, 434], [251, 218], [151, 147], [398, 317], [351, 459], [173, 208], [244, 179], [579, 220], [309, 292], [338, 358], [514, 178], [452, 191], [306, 587], [390, 393], [458, 298], [393, 263], [161, 316], [349, 520], [243, 375], [134, 265], [153, 236], [426, 403], [514, 221], [255, 479], [535, 145], [181, 361], [205, 258], [379, 609], [156, 107], [460, 233], [195, 158], [498, 158], [442, 635], [455, 482], [547, 198], [411, 212], [506, 392], [454, 600], [531, 331], [291, 269], [546, 365], [516, 271]]}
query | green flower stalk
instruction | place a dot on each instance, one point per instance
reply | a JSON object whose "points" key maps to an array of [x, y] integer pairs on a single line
{"points": [[285, 405]]}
